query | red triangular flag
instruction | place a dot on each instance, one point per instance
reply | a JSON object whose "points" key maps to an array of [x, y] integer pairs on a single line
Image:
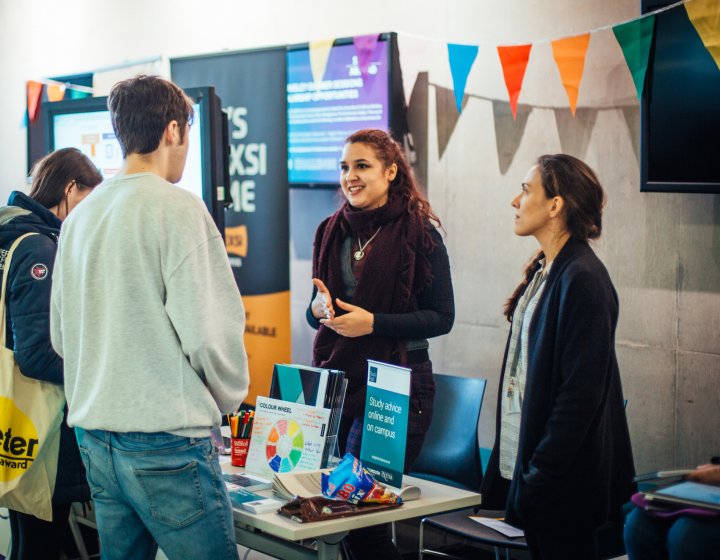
{"points": [[34, 91], [514, 61]]}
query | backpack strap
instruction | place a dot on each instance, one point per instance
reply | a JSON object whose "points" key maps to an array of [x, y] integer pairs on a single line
{"points": [[6, 273]]}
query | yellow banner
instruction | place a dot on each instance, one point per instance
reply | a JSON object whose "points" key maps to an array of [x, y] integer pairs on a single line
{"points": [[267, 338]]}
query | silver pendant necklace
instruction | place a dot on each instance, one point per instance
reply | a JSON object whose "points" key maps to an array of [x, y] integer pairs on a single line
{"points": [[360, 253]]}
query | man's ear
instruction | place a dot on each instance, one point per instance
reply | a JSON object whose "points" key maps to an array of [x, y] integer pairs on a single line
{"points": [[169, 134]]}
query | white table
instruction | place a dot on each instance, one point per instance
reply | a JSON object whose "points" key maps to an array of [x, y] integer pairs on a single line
{"points": [[277, 536]]}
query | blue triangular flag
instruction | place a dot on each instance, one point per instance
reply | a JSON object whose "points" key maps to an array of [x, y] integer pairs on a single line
{"points": [[462, 58]]}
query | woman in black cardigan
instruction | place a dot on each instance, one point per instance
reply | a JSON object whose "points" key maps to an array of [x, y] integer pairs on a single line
{"points": [[562, 435], [60, 181]]}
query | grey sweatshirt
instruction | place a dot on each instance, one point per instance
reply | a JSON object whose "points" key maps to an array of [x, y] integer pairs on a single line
{"points": [[146, 313]]}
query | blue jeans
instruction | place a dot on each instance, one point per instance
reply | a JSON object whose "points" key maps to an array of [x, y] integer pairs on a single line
{"points": [[157, 489], [681, 538]]}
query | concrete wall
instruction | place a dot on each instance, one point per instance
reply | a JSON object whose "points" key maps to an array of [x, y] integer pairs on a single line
{"points": [[663, 251]]}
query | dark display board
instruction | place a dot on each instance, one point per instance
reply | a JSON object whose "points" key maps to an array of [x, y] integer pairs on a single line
{"points": [[680, 109], [321, 115], [251, 85], [85, 124]]}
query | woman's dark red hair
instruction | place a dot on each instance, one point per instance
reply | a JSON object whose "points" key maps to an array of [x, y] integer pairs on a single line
{"points": [[388, 151]]}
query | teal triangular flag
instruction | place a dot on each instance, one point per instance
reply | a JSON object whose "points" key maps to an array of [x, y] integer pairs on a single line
{"points": [[462, 58], [77, 93], [635, 38]]}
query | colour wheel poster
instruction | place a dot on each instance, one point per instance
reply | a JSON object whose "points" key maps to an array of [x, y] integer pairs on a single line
{"points": [[286, 436]]}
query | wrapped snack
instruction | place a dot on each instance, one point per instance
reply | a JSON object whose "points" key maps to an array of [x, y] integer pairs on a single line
{"points": [[349, 481]]}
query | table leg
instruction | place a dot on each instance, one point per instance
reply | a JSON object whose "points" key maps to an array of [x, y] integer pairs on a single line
{"points": [[328, 547]]}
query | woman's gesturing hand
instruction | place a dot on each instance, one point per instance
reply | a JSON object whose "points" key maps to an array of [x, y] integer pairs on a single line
{"points": [[356, 322], [322, 307]]}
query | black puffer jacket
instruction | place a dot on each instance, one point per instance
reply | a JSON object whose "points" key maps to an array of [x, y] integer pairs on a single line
{"points": [[28, 320]]}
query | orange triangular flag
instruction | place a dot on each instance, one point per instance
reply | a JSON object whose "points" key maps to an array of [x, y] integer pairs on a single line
{"points": [[514, 61], [34, 91], [55, 92], [569, 55], [705, 16]]}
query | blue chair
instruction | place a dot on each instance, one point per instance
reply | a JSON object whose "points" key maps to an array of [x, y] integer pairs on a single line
{"points": [[450, 454], [458, 524]]}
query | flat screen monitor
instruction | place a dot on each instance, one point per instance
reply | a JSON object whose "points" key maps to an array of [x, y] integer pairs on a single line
{"points": [[320, 116], [680, 109], [85, 124]]}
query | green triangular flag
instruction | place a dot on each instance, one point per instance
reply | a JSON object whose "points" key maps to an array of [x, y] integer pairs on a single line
{"points": [[635, 38]]}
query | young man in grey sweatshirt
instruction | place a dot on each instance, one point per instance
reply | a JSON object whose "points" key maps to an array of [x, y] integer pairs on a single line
{"points": [[148, 318]]}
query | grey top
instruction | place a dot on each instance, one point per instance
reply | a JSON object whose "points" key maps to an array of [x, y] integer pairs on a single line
{"points": [[516, 367], [146, 313]]}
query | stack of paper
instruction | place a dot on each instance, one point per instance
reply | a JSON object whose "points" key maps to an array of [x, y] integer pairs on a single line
{"points": [[249, 501], [302, 484]]}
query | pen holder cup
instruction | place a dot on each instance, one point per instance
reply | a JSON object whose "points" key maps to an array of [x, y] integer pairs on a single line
{"points": [[239, 451]]}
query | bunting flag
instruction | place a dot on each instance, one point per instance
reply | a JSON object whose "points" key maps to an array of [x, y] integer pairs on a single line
{"points": [[55, 92], [34, 92], [364, 47], [569, 55], [635, 38], [415, 54], [462, 58], [319, 54], [705, 16], [78, 93], [514, 61], [508, 135], [446, 117]]}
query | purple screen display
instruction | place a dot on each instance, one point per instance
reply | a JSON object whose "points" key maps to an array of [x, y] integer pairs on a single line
{"points": [[321, 116]]}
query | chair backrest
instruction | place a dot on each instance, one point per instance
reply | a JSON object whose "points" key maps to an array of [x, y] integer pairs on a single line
{"points": [[450, 454]]}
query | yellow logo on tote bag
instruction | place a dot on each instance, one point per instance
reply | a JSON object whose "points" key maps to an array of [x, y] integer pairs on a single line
{"points": [[19, 443]]}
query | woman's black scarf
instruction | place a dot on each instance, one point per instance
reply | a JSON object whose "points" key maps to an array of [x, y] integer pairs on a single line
{"points": [[397, 269]]}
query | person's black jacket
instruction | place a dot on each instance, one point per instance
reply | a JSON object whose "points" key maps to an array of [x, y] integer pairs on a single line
{"points": [[28, 320], [574, 463]]}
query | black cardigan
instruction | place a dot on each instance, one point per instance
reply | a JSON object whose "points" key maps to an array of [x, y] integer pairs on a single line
{"points": [[574, 463]]}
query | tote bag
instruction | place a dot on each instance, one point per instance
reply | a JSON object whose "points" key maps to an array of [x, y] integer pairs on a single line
{"points": [[31, 412]]}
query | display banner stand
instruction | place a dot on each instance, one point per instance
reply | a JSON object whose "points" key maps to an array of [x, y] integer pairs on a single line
{"points": [[385, 422]]}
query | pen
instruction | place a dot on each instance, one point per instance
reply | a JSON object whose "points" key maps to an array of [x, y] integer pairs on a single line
{"points": [[245, 419]]}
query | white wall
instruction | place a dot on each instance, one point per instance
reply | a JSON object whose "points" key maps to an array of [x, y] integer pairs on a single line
{"points": [[40, 38]]}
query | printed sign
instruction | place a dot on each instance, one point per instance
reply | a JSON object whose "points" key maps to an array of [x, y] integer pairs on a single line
{"points": [[18, 448], [386, 420], [286, 437]]}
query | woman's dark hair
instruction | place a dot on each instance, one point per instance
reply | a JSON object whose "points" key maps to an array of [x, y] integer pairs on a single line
{"points": [[52, 174], [577, 184], [141, 108], [388, 151]]}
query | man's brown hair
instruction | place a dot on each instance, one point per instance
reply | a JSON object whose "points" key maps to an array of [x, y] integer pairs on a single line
{"points": [[142, 107]]}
